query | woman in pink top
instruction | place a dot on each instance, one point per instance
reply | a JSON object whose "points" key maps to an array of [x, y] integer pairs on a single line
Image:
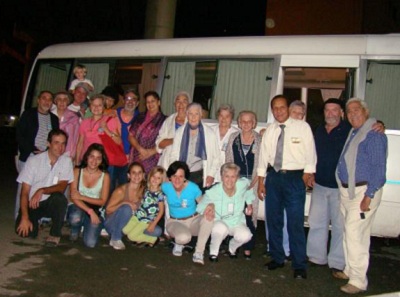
{"points": [[95, 125], [69, 121]]}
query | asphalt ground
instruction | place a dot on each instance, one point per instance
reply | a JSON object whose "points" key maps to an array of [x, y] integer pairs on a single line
{"points": [[27, 268]]}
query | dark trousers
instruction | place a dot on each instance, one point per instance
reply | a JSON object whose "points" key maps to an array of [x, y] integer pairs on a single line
{"points": [[286, 190], [118, 176], [54, 207]]}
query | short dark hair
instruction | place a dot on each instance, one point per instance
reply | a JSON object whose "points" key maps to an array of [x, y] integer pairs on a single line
{"points": [[96, 147], [152, 93], [110, 91], [280, 96], [175, 166], [57, 132], [45, 91]]}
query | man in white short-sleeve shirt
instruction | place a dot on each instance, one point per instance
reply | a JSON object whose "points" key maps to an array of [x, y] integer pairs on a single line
{"points": [[44, 179]]}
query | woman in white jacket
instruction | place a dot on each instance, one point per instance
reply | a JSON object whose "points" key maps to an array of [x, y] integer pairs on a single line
{"points": [[197, 145], [171, 124]]}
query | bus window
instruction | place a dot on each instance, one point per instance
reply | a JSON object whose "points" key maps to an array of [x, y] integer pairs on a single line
{"points": [[246, 84], [243, 83], [179, 76], [56, 75], [204, 84], [382, 92], [51, 75], [313, 86]]}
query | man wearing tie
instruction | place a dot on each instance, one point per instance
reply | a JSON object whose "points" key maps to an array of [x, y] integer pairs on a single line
{"points": [[287, 153]]}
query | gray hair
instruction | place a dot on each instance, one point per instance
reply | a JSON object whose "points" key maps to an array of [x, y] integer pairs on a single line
{"points": [[134, 91], [184, 94], [196, 106], [65, 94], [252, 113], [229, 166], [362, 102], [226, 107], [298, 103]]}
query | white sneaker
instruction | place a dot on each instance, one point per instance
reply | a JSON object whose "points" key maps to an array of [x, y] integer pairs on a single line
{"points": [[117, 244], [177, 250], [198, 258], [104, 232]]}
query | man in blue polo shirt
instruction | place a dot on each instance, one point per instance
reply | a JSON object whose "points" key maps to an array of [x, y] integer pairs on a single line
{"points": [[325, 198]]}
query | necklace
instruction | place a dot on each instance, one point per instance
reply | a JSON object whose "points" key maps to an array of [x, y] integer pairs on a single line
{"points": [[91, 126]]}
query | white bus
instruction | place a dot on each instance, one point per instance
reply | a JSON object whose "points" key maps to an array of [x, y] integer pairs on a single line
{"points": [[247, 72]]}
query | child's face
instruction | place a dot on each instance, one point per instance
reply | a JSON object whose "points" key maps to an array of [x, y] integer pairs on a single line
{"points": [[109, 102], [80, 74], [156, 180]]}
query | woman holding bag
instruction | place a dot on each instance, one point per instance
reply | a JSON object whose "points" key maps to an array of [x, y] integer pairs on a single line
{"points": [[105, 130]]}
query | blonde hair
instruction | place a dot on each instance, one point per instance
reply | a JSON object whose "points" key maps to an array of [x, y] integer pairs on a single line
{"points": [[156, 169], [79, 67]]}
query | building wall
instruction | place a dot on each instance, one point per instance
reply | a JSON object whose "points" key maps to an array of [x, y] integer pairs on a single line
{"points": [[300, 17]]}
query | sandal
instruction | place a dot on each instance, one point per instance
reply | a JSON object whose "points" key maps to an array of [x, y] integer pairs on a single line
{"points": [[52, 241]]}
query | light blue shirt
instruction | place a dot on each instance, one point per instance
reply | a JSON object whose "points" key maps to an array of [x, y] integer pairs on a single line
{"points": [[230, 210], [184, 205]]}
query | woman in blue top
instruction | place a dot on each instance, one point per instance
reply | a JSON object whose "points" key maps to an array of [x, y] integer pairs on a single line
{"points": [[89, 192], [182, 196]]}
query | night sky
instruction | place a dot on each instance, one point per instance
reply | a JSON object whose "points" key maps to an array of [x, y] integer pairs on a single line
{"points": [[49, 22]]}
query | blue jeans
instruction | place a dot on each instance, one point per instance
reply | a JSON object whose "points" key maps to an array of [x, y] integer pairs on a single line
{"points": [[325, 210], [286, 191], [116, 222], [78, 218], [118, 176], [156, 233]]}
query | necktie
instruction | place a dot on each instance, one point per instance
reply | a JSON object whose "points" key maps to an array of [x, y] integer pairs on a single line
{"points": [[279, 149]]}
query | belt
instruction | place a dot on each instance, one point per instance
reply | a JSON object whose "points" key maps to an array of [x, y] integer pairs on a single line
{"points": [[185, 218], [284, 171], [359, 184]]}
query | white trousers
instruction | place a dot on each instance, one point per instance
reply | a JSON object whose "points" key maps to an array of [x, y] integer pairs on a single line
{"points": [[357, 233], [241, 234]]}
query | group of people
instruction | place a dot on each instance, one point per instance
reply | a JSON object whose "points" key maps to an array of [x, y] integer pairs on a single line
{"points": [[144, 174]]}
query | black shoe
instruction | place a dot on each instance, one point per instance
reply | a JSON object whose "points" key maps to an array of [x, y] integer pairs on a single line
{"points": [[213, 258], [273, 265], [288, 258], [300, 274]]}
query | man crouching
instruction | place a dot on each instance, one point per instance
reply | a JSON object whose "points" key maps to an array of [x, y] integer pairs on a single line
{"points": [[44, 179]]}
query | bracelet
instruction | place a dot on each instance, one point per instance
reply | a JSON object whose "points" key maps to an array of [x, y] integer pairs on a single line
{"points": [[90, 211]]}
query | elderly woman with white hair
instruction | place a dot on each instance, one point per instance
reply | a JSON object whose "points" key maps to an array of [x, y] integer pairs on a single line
{"points": [[69, 120], [196, 145], [225, 114], [166, 134], [225, 203], [243, 149]]}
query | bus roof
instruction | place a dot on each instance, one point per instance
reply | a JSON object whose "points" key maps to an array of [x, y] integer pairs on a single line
{"points": [[369, 45]]}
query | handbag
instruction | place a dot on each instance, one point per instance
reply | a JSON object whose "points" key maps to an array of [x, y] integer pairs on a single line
{"points": [[115, 152]]}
